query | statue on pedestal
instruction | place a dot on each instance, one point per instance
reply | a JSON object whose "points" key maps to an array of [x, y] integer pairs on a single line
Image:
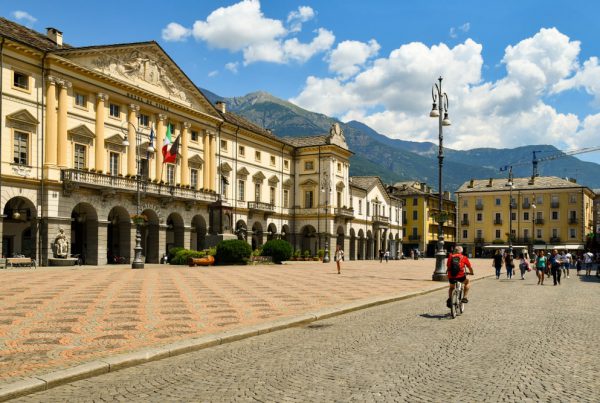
{"points": [[61, 245]]}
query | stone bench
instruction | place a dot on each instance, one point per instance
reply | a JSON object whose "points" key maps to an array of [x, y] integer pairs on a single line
{"points": [[20, 262]]}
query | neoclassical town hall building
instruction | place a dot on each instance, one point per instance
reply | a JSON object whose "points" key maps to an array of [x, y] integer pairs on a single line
{"points": [[77, 147]]}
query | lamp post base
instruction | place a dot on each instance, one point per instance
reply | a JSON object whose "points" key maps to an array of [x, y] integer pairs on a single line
{"points": [[326, 255], [137, 263], [440, 273]]}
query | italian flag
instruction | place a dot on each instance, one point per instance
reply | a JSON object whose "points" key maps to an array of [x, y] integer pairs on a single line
{"points": [[170, 148]]}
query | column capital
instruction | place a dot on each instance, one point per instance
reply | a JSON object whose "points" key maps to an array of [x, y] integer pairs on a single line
{"points": [[64, 83], [51, 79], [161, 116], [134, 108], [186, 125], [102, 96]]}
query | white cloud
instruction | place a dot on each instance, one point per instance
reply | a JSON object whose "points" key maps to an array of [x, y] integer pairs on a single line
{"points": [[232, 66], [25, 17], [392, 94], [242, 27], [296, 18], [349, 56], [463, 28], [213, 73], [175, 32]]}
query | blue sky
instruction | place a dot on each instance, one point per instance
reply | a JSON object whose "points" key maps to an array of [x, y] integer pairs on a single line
{"points": [[516, 72]]}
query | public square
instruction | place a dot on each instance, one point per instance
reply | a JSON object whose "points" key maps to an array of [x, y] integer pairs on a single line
{"points": [[516, 342]]}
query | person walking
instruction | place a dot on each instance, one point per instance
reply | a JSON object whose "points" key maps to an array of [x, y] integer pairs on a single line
{"points": [[497, 263], [554, 263], [540, 267], [338, 255], [386, 255], [523, 265], [579, 264], [380, 255], [568, 264], [588, 258], [509, 264]]}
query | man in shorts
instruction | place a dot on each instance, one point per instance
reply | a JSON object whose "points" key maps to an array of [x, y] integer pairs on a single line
{"points": [[459, 275]]}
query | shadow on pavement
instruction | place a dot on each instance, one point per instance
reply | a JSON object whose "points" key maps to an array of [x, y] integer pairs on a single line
{"points": [[434, 316], [590, 279]]}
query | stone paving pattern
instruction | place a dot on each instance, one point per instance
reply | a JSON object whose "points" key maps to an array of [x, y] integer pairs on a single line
{"points": [[55, 318], [516, 342]]}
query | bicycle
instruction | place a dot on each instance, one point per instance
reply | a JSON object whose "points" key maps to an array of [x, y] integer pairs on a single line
{"points": [[457, 307]]}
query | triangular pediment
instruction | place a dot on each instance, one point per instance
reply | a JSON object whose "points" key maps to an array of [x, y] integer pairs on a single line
{"points": [[82, 131], [288, 182], [259, 176], [243, 171], [114, 139], [23, 116], [145, 66], [197, 161], [274, 179], [225, 167], [308, 182]]}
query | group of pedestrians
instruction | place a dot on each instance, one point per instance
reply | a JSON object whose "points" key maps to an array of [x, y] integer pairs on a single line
{"points": [[555, 264]]}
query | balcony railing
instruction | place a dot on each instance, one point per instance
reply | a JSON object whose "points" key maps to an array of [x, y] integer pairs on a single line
{"points": [[573, 220], [464, 222], [344, 212], [539, 221], [414, 237], [479, 206], [379, 219], [73, 178], [554, 239], [526, 205], [554, 204], [261, 206], [497, 221], [479, 240]]}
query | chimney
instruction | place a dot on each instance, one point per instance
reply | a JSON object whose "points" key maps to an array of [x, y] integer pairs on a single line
{"points": [[55, 36], [471, 183], [222, 106], [532, 180], [491, 182]]}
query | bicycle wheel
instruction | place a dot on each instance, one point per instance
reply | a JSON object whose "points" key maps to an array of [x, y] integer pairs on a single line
{"points": [[461, 305], [454, 304]]}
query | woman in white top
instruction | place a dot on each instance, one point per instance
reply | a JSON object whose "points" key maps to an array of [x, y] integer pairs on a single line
{"points": [[338, 257]]}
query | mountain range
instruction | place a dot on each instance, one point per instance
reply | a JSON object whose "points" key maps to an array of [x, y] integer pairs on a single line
{"points": [[399, 160]]}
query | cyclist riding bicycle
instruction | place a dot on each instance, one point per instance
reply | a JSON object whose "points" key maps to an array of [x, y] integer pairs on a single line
{"points": [[456, 273]]}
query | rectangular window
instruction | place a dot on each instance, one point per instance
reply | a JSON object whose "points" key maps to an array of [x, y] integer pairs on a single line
{"points": [[360, 207], [339, 199], [415, 201], [194, 135], [272, 160], [572, 233], [555, 215], [114, 110], [79, 157], [498, 234], [465, 203], [241, 190], [144, 120], [415, 215], [145, 168], [498, 201], [465, 217], [465, 234], [572, 198], [242, 151], [224, 186], [308, 165], [538, 233], [368, 209], [257, 192], [498, 217], [526, 233], [339, 167], [80, 100], [114, 164], [286, 164], [308, 199], [21, 80], [479, 234], [194, 178], [479, 217], [286, 198], [21, 148], [572, 215], [224, 145], [415, 232], [257, 155], [554, 232], [513, 216], [539, 200], [539, 215], [170, 174], [526, 216], [272, 195]]}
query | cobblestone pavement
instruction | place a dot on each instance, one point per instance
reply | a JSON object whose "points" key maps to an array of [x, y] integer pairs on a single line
{"points": [[517, 341], [55, 318]]}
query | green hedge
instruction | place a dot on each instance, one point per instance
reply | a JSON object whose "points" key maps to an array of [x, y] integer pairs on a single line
{"points": [[182, 256], [278, 249], [173, 251], [233, 251]]}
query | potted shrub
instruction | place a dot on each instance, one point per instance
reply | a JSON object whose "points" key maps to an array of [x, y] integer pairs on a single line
{"points": [[297, 254], [278, 249], [321, 253], [306, 255]]}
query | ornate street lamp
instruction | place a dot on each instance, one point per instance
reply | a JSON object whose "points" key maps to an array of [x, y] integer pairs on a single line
{"points": [[440, 111], [510, 184], [326, 187], [138, 263]]}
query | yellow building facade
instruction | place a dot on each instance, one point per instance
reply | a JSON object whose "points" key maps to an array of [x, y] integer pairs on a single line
{"points": [[546, 212], [420, 220], [83, 128]]}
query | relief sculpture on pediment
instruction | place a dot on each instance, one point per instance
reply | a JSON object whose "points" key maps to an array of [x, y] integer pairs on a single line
{"points": [[137, 65]]}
